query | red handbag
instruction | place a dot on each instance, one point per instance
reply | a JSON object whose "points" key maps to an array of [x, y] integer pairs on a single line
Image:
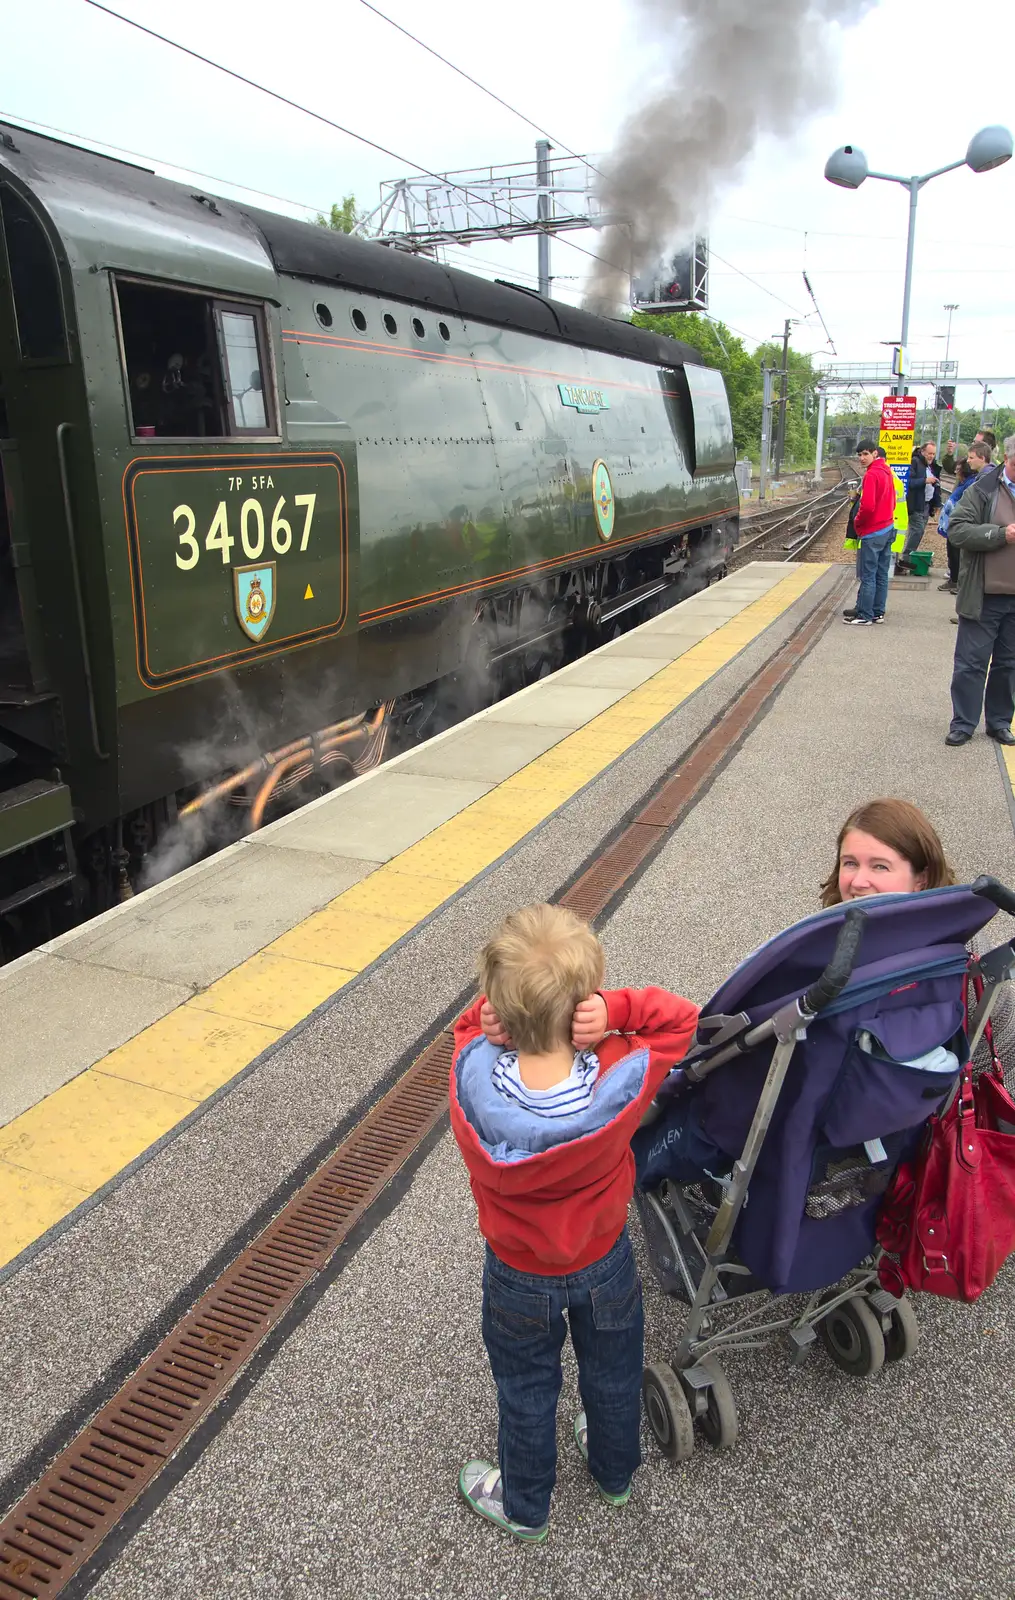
{"points": [[949, 1215]]}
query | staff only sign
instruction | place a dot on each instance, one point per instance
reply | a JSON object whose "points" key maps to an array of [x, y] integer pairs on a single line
{"points": [[898, 429]]}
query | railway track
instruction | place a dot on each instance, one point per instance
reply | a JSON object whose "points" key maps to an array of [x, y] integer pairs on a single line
{"points": [[787, 532]]}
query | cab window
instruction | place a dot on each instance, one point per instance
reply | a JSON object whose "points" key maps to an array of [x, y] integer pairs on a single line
{"points": [[197, 367]]}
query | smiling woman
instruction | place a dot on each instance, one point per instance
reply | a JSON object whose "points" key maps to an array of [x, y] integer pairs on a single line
{"points": [[886, 847]]}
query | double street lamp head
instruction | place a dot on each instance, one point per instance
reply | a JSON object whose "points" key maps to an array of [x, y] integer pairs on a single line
{"points": [[989, 148]]}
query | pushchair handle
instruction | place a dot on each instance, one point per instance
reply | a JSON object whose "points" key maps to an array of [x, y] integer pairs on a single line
{"points": [[840, 969], [992, 889]]}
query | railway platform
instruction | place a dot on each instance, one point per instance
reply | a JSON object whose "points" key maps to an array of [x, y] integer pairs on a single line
{"points": [[175, 1073]]}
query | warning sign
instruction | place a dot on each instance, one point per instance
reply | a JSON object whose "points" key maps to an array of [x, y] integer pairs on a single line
{"points": [[898, 413], [898, 447], [898, 428]]}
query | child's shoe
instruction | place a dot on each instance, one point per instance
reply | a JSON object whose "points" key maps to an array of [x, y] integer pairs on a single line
{"points": [[479, 1483], [581, 1439]]}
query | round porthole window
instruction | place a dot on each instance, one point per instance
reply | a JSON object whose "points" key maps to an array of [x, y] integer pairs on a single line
{"points": [[323, 315], [444, 331], [359, 321], [390, 324], [418, 328]]}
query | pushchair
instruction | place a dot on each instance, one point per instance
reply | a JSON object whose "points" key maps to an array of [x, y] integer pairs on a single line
{"points": [[802, 1076]]}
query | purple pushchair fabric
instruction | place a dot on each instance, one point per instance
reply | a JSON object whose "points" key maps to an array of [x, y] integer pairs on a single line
{"points": [[906, 992]]}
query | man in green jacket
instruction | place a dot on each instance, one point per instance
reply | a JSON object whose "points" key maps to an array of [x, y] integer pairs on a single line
{"points": [[983, 530]]}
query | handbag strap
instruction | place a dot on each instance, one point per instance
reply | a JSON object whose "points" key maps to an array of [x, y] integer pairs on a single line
{"points": [[967, 1141], [974, 982]]}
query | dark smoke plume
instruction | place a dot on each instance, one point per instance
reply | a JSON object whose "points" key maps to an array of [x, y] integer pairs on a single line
{"points": [[734, 71]]}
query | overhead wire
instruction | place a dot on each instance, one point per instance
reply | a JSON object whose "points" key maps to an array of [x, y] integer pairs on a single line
{"points": [[741, 274], [318, 116], [557, 143], [383, 149]]}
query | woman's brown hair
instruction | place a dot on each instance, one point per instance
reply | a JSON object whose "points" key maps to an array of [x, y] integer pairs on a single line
{"points": [[902, 827]]}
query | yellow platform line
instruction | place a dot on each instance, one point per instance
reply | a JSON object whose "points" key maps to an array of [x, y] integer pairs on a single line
{"points": [[59, 1152]]}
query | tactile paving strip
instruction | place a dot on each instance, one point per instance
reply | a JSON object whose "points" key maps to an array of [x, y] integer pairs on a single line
{"points": [[53, 1532]]}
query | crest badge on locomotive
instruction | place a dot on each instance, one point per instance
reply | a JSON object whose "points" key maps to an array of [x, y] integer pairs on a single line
{"points": [[254, 589], [603, 503]]}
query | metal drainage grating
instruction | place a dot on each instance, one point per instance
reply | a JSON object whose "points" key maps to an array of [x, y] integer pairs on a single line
{"points": [[594, 890], [60, 1523]]}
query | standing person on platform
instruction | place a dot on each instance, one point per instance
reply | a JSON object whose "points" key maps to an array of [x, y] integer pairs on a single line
{"points": [[986, 437], [983, 528], [949, 461], [874, 526], [967, 471], [922, 497]]}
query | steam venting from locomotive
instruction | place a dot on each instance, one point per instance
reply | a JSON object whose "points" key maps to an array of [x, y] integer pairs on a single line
{"points": [[733, 72]]}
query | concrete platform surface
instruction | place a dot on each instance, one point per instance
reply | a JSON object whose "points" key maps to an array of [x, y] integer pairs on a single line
{"points": [[335, 1474]]}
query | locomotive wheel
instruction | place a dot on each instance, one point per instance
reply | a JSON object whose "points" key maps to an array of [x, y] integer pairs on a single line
{"points": [[852, 1336], [669, 1415], [903, 1337]]}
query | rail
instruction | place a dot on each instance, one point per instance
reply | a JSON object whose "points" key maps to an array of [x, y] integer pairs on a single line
{"points": [[781, 523]]}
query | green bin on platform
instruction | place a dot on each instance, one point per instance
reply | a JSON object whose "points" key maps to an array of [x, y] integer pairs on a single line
{"points": [[919, 561]]}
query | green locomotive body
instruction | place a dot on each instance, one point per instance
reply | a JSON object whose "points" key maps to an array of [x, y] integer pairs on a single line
{"points": [[259, 477]]}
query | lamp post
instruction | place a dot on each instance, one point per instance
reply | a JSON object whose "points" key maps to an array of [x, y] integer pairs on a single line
{"points": [[847, 167], [951, 308]]}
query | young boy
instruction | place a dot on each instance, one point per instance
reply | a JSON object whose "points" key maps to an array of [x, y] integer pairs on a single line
{"points": [[544, 1122]]}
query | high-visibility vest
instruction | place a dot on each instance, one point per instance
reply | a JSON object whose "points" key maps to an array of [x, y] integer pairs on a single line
{"points": [[901, 518]]}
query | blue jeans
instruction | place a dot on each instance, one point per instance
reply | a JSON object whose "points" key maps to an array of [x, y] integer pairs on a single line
{"points": [[524, 1332], [875, 560]]}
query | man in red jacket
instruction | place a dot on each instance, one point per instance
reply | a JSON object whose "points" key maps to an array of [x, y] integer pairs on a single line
{"points": [[874, 526], [545, 1123]]}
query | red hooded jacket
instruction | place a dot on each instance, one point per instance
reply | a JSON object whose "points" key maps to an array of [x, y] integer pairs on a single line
{"points": [[876, 510], [563, 1209]]}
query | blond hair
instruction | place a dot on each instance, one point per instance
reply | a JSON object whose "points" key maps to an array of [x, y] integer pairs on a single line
{"points": [[541, 962]]}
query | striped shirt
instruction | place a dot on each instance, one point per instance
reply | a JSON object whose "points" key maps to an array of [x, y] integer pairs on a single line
{"points": [[573, 1093]]}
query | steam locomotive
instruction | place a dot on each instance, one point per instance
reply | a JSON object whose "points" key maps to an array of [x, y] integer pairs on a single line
{"points": [[270, 494]]}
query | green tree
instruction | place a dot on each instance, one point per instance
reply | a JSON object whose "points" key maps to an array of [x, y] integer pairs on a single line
{"points": [[964, 425], [343, 217], [722, 349]]}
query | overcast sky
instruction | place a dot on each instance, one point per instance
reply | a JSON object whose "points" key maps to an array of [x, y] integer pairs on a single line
{"points": [[911, 96]]}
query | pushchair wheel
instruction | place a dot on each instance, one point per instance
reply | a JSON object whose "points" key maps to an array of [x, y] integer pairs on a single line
{"points": [[852, 1336], [669, 1415], [719, 1419], [903, 1335]]}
